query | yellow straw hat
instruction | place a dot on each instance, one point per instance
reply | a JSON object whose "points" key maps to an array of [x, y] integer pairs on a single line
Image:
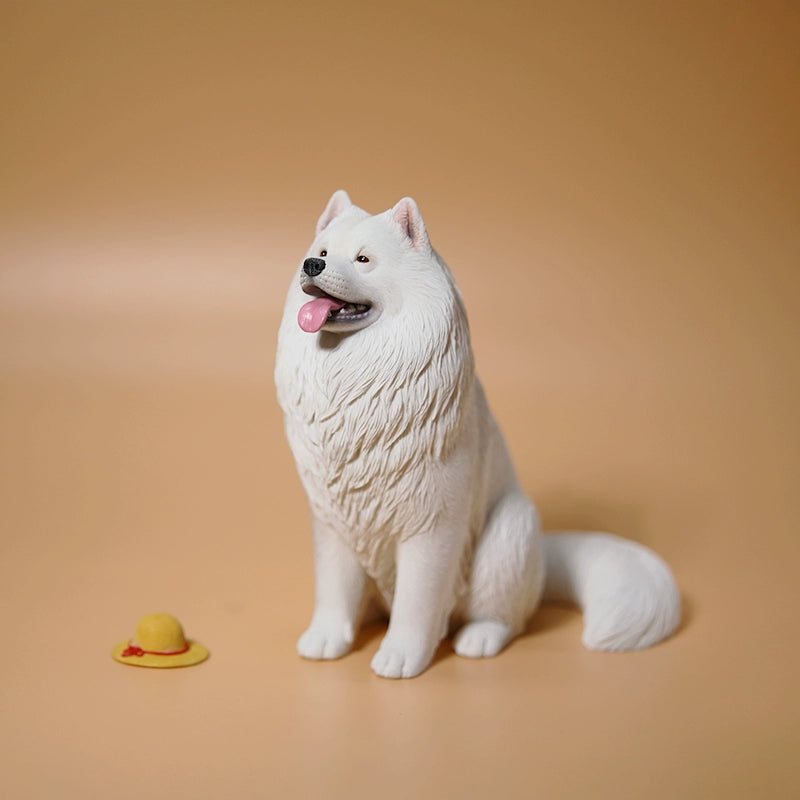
{"points": [[159, 642]]}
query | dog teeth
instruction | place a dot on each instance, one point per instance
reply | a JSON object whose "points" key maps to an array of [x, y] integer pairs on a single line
{"points": [[350, 309]]}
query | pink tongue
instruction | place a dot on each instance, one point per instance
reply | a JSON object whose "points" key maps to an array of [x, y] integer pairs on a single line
{"points": [[313, 315]]}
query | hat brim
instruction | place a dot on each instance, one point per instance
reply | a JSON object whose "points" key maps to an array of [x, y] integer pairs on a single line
{"points": [[194, 655]]}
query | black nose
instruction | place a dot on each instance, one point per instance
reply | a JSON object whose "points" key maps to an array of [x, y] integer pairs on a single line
{"points": [[313, 266]]}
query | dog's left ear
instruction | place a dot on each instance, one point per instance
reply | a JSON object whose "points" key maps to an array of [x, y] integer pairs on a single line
{"points": [[406, 214]]}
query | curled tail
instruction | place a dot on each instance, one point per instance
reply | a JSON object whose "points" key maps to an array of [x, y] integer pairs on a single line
{"points": [[627, 593]]}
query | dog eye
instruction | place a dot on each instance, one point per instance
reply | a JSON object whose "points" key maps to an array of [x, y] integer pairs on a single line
{"points": [[362, 259], [323, 253]]}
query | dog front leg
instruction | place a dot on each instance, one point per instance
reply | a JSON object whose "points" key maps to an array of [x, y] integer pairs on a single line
{"points": [[423, 599], [340, 581]]}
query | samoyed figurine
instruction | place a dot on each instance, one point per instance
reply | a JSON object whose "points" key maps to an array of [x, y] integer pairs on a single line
{"points": [[416, 508]]}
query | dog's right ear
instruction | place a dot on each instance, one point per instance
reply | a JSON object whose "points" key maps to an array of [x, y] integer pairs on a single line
{"points": [[338, 204]]}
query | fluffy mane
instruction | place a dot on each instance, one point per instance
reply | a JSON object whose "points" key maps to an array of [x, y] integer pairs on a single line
{"points": [[375, 416]]}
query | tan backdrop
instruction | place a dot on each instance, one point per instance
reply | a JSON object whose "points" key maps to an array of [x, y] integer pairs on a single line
{"points": [[615, 185]]}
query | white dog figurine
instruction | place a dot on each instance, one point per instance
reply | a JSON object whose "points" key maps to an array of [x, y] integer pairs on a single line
{"points": [[415, 504]]}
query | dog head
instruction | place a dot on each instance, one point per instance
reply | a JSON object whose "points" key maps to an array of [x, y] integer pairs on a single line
{"points": [[361, 268]]}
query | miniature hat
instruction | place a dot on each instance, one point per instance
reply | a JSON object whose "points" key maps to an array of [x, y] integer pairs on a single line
{"points": [[159, 642]]}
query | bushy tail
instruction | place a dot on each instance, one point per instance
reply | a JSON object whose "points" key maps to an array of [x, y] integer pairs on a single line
{"points": [[628, 595]]}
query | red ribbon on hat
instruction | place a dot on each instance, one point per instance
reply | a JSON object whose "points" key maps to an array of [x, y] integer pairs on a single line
{"points": [[135, 650]]}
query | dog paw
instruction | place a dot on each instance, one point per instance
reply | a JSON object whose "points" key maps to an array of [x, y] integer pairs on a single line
{"points": [[482, 639], [401, 658], [324, 642]]}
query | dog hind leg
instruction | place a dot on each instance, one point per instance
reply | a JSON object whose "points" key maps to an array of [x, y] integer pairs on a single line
{"points": [[506, 579]]}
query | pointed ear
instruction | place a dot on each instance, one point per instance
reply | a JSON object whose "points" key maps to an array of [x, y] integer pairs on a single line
{"points": [[406, 214], [338, 204]]}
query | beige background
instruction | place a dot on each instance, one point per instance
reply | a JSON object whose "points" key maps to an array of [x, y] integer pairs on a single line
{"points": [[615, 186]]}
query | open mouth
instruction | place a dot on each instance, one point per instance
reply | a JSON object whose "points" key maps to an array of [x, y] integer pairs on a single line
{"points": [[325, 309]]}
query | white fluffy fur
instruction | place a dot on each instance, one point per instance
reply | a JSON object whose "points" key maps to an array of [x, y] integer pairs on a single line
{"points": [[415, 504]]}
